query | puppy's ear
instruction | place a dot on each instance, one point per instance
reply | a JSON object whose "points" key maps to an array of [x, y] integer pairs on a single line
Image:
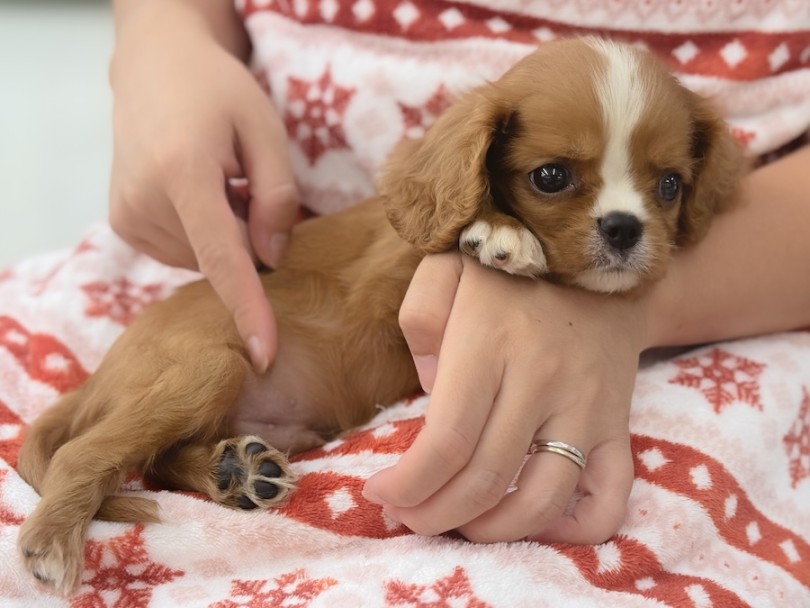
{"points": [[718, 167], [431, 188]]}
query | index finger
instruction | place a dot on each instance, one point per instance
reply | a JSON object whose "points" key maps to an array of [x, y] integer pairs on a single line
{"points": [[425, 310], [224, 259], [461, 401]]}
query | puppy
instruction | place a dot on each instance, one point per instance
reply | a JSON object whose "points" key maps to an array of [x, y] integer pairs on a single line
{"points": [[586, 163]]}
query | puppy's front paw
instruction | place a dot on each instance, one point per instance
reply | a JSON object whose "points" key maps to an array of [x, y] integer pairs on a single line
{"points": [[53, 553], [507, 246], [251, 474]]}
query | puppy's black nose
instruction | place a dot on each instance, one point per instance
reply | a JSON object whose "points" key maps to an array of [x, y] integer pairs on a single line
{"points": [[620, 230]]}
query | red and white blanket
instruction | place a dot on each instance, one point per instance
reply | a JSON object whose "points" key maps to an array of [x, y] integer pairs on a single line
{"points": [[719, 514]]}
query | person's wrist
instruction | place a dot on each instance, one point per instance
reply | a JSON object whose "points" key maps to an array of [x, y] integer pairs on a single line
{"points": [[217, 19], [623, 317], [659, 308], [153, 24], [632, 312]]}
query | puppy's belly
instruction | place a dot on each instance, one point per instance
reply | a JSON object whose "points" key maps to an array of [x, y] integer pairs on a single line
{"points": [[311, 392], [322, 383], [340, 351], [282, 407], [280, 418]]}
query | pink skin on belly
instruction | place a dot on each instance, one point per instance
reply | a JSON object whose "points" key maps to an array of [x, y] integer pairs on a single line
{"points": [[278, 407]]}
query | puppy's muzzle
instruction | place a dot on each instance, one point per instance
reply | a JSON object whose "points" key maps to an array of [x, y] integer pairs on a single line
{"points": [[621, 231]]}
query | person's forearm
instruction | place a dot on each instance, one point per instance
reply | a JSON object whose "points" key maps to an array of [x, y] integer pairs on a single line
{"points": [[219, 17], [751, 275]]}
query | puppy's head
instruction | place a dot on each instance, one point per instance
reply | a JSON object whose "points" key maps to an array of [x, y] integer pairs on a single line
{"points": [[594, 146]]}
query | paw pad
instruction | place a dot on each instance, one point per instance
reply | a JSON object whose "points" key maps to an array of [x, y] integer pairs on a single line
{"points": [[251, 474]]}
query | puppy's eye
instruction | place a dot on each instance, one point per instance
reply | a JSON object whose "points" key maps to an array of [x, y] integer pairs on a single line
{"points": [[551, 178], [669, 187]]}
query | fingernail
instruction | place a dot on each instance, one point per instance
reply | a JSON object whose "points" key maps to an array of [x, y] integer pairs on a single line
{"points": [[426, 369], [277, 247], [258, 355]]}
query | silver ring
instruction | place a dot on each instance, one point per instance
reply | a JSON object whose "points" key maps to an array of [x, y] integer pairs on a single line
{"points": [[561, 448]]}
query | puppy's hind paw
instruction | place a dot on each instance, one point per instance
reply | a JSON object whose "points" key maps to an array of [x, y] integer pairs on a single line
{"points": [[506, 246], [251, 474], [53, 556]]}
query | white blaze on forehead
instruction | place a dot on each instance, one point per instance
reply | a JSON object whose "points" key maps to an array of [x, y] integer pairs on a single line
{"points": [[622, 98]]}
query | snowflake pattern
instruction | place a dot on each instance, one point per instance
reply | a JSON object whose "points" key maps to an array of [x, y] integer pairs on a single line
{"points": [[314, 115], [120, 573], [418, 119], [292, 590], [120, 300], [797, 443], [41, 356], [722, 377], [453, 590]]}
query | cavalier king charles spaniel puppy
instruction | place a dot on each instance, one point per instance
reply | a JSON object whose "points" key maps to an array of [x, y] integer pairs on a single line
{"points": [[587, 163]]}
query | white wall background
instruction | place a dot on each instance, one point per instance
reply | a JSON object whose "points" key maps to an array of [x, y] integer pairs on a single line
{"points": [[55, 123]]}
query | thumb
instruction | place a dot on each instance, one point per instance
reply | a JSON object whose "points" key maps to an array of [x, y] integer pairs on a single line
{"points": [[425, 310]]}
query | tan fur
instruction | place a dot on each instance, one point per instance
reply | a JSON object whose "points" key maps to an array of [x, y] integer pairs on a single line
{"points": [[176, 396], [555, 118]]}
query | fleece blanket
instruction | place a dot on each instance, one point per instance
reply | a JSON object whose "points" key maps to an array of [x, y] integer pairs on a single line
{"points": [[719, 513]]}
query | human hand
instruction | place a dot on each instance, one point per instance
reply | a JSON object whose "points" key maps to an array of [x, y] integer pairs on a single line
{"points": [[519, 360], [188, 116]]}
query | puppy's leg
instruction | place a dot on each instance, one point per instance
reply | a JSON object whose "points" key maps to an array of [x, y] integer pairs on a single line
{"points": [[159, 407], [500, 241], [51, 430], [51, 540], [241, 472]]}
